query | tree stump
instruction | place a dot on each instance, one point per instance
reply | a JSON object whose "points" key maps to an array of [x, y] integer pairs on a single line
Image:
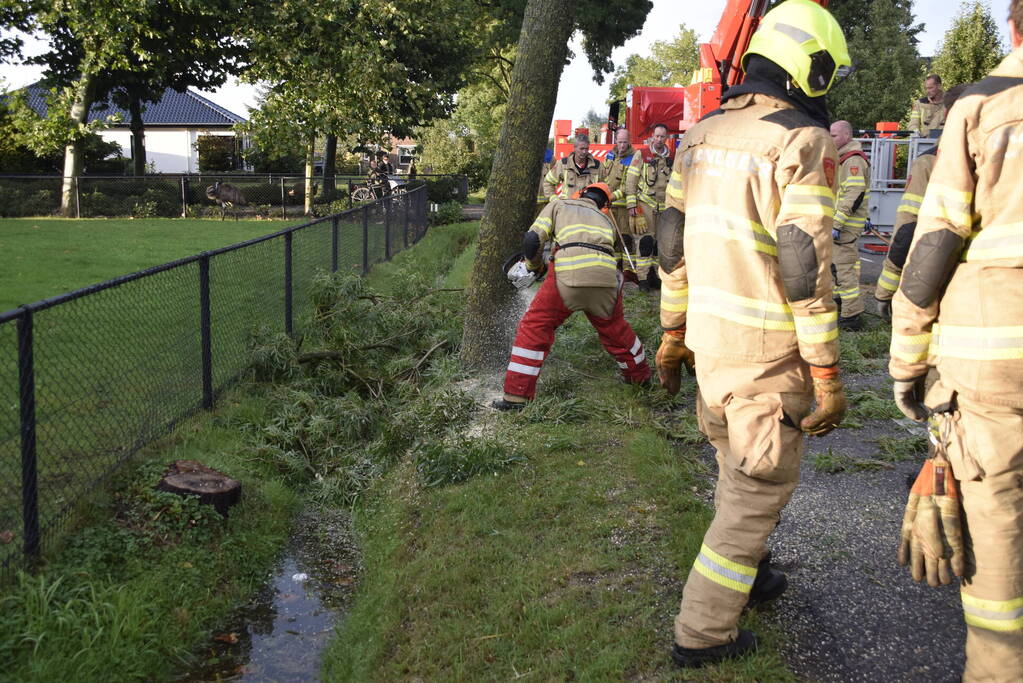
{"points": [[192, 478]]}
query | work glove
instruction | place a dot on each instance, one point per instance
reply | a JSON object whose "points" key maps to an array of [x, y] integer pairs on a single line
{"points": [[932, 535], [672, 354], [884, 309], [829, 393], [909, 397]]}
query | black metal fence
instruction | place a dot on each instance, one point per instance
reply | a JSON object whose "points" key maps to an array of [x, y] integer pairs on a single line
{"points": [[89, 377], [171, 196]]}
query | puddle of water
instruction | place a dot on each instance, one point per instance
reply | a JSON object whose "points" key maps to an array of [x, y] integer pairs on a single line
{"points": [[280, 634]]}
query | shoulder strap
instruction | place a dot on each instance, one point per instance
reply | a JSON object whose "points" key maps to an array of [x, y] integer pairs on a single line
{"points": [[855, 153]]}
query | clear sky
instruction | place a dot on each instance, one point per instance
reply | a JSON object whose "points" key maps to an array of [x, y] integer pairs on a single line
{"points": [[578, 93]]}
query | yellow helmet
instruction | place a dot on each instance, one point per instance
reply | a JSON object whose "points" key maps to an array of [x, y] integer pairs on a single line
{"points": [[803, 38]]}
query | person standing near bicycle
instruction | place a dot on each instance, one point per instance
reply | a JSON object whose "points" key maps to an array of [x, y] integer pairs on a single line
{"points": [[383, 171]]}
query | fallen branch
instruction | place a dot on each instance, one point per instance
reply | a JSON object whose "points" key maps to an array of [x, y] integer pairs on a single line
{"points": [[422, 360]]}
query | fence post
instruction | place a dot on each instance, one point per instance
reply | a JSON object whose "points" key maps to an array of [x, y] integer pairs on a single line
{"points": [[387, 229], [205, 337], [288, 320], [365, 238], [27, 401], [78, 198], [406, 204], [284, 203], [184, 197], [333, 244]]}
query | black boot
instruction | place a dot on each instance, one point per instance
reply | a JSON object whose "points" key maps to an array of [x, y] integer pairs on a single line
{"points": [[690, 658], [768, 584], [504, 404], [853, 323]]}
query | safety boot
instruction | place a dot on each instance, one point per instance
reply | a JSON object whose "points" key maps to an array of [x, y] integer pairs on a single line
{"points": [[505, 405], [691, 658], [768, 584], [852, 323]]}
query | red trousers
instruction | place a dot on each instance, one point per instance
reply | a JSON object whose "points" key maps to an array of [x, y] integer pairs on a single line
{"points": [[535, 336]]}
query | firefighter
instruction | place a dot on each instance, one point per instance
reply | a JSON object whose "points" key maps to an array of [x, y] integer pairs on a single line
{"points": [[905, 218], [613, 172], [929, 111], [850, 221], [541, 196], [958, 310], [746, 297], [652, 183], [573, 172], [583, 276]]}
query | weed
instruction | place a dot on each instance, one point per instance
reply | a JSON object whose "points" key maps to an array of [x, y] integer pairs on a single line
{"points": [[894, 449], [457, 459], [831, 462], [870, 406]]}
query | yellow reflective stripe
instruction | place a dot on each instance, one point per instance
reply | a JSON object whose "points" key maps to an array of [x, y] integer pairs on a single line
{"points": [[910, 203], [764, 315], [978, 343], [994, 615], [995, 242], [633, 170], [674, 300], [712, 220], [817, 329], [542, 224], [910, 348], [541, 198], [675, 186], [947, 203], [808, 200], [723, 571], [579, 230], [588, 260], [889, 279]]}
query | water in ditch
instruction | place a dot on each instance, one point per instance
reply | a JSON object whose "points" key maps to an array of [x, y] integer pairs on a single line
{"points": [[280, 634]]}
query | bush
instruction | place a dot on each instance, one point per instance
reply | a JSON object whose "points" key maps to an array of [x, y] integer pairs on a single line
{"points": [[16, 202], [443, 189], [451, 212], [217, 152]]}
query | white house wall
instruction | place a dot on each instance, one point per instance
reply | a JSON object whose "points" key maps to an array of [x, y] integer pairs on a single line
{"points": [[168, 150]]}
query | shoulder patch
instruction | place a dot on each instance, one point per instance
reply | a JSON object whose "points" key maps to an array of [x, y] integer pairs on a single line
{"points": [[829, 171], [790, 119], [992, 85]]}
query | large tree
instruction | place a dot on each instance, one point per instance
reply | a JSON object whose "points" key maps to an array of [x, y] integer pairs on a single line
{"points": [[542, 51], [882, 42], [971, 48], [670, 63]]}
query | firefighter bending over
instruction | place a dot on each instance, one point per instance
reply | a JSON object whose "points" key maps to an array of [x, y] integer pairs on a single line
{"points": [[959, 309], [746, 296], [583, 276]]}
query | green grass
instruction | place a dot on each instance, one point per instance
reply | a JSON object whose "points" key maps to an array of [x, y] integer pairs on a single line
{"points": [[832, 462], [897, 449]]}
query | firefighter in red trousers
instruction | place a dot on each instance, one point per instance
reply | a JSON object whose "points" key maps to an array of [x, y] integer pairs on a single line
{"points": [[584, 275]]}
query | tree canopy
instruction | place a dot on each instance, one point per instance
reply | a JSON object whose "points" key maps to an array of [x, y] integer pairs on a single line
{"points": [[670, 63], [971, 47]]}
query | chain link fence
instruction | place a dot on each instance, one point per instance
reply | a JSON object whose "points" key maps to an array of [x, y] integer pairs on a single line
{"points": [[172, 196], [89, 377]]}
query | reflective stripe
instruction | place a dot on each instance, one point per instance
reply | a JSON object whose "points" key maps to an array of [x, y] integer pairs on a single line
{"points": [[590, 259], [633, 170], [636, 346], [675, 186], [995, 242], [623, 366], [852, 181], [579, 230], [978, 343], [910, 348], [527, 353], [543, 224], [639, 358], [524, 369], [850, 221], [948, 204], [797, 34], [848, 294], [541, 198], [765, 315], [817, 329], [994, 615], [889, 279], [910, 203], [723, 571], [674, 300], [813, 200], [713, 220]]}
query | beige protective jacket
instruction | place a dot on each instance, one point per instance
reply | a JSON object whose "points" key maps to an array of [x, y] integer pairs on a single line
{"points": [[905, 225], [570, 176], [587, 246], [959, 306], [653, 181], [619, 172], [853, 197], [926, 116], [755, 182]]}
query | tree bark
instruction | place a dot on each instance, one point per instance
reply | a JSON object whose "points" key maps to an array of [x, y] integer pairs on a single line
{"points": [[329, 167], [309, 174], [511, 192], [192, 478], [84, 93], [138, 137]]}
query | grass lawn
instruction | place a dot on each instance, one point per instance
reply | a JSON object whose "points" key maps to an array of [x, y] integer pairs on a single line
{"points": [[44, 257]]}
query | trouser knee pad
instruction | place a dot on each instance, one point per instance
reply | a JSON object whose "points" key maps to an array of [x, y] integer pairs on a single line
{"points": [[647, 246]]}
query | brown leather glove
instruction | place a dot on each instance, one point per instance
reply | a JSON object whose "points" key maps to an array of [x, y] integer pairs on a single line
{"points": [[829, 393], [672, 354], [932, 534]]}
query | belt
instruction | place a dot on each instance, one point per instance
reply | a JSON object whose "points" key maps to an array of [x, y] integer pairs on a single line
{"points": [[587, 245]]}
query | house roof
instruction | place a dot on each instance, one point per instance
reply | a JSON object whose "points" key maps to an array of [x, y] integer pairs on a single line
{"points": [[174, 109]]}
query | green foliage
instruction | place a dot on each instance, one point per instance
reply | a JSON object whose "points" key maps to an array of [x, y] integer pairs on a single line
{"points": [[670, 63], [894, 449], [217, 153], [869, 405], [831, 462], [449, 212], [882, 42], [971, 48], [460, 458], [442, 190]]}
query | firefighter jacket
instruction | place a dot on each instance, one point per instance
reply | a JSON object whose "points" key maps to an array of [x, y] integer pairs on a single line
{"points": [[853, 197], [541, 196], [653, 180], [958, 307], [571, 177], [620, 172], [752, 281], [926, 116], [586, 245], [905, 225]]}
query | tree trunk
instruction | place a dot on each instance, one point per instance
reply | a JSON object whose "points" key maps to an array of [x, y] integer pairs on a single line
{"points": [[511, 191], [84, 92], [309, 174], [192, 478], [138, 137], [329, 166]]}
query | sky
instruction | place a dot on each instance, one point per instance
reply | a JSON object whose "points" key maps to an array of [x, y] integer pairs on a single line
{"points": [[578, 93]]}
